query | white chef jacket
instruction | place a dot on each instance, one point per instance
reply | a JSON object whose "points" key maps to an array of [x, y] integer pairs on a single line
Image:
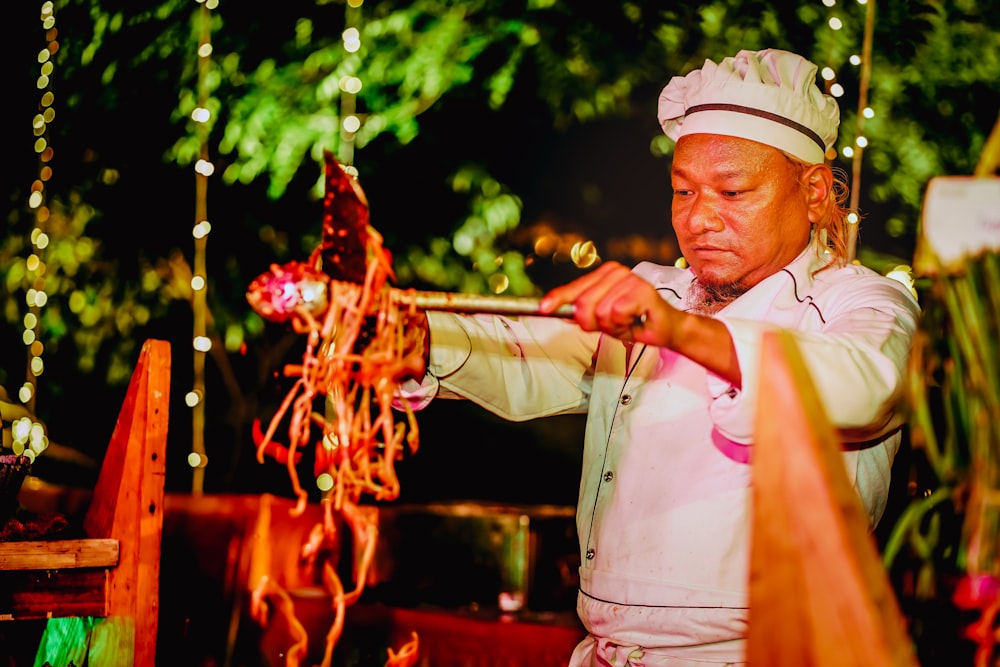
{"points": [[663, 513]]}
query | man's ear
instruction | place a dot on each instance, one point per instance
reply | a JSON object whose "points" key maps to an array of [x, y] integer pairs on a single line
{"points": [[818, 181]]}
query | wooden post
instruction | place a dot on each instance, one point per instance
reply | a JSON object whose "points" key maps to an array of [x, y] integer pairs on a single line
{"points": [[819, 594]]}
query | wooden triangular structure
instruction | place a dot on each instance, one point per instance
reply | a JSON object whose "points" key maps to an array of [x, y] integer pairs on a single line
{"points": [[101, 593], [128, 504], [819, 593]]}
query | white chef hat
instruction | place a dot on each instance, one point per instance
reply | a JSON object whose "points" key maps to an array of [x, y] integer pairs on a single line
{"points": [[768, 96]]}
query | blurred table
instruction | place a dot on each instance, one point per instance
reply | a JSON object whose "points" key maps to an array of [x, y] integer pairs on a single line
{"points": [[453, 638]]}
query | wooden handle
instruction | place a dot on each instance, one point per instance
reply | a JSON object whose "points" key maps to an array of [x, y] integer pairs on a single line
{"points": [[480, 303]]}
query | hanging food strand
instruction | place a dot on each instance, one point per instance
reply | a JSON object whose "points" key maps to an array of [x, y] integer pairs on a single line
{"points": [[360, 337], [349, 244]]}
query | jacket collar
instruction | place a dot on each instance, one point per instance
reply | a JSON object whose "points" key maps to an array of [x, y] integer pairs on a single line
{"points": [[785, 287]]}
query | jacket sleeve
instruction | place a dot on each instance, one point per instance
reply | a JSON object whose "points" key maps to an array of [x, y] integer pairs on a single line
{"points": [[857, 359], [518, 368]]}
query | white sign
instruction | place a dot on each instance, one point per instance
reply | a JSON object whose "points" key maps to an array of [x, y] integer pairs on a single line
{"points": [[961, 217]]}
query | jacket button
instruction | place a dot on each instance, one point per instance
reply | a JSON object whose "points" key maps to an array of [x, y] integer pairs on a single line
{"points": [[626, 399], [608, 476], [590, 554]]}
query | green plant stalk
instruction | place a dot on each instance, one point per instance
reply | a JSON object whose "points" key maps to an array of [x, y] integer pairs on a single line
{"points": [[991, 278], [973, 323], [907, 528], [922, 433], [964, 316], [976, 330]]}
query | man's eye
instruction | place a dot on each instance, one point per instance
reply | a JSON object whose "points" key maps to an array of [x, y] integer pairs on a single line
{"points": [[730, 193]]}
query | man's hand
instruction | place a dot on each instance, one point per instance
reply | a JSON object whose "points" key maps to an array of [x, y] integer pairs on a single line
{"points": [[614, 300]]}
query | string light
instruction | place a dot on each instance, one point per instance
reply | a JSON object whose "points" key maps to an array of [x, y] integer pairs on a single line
{"points": [[350, 123], [35, 295], [201, 343], [855, 150], [29, 437], [350, 86], [864, 111]]}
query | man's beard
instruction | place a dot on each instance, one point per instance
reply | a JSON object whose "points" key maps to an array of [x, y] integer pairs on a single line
{"points": [[708, 299]]}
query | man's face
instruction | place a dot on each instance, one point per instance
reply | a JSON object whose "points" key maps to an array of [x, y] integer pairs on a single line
{"points": [[739, 211]]}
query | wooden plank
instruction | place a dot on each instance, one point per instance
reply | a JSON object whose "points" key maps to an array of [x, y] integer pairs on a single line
{"points": [[33, 594], [58, 554], [819, 594]]}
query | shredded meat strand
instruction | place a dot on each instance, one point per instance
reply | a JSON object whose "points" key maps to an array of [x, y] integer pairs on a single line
{"points": [[359, 338]]}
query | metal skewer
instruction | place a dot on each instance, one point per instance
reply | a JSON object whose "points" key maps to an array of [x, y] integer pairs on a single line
{"points": [[495, 304]]}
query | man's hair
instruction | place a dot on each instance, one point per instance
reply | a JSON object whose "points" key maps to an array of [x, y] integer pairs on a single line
{"points": [[833, 231], [835, 226]]}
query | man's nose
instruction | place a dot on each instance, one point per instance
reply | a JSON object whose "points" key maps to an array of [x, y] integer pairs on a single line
{"points": [[704, 215]]}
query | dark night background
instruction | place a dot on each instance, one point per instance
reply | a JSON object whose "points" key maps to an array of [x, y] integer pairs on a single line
{"points": [[599, 179]]}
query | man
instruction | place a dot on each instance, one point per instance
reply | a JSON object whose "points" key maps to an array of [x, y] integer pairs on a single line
{"points": [[664, 361]]}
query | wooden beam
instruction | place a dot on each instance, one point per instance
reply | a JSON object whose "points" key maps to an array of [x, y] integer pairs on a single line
{"points": [[819, 594]]}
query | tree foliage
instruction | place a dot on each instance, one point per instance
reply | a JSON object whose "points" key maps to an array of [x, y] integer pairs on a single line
{"points": [[461, 106]]}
